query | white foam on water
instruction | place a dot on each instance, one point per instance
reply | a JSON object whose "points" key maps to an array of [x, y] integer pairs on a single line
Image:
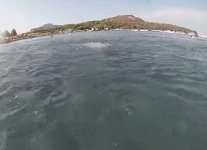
{"points": [[115, 144], [96, 45], [203, 36], [129, 112]]}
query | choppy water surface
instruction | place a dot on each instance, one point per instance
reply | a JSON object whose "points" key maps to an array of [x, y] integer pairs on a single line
{"points": [[104, 91]]}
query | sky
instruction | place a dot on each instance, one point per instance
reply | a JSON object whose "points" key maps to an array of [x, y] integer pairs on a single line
{"points": [[26, 14]]}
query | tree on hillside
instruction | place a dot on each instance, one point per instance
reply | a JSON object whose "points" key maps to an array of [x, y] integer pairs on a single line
{"points": [[6, 33], [13, 32]]}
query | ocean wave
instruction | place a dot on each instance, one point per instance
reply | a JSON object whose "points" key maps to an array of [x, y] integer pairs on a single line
{"points": [[10, 113], [203, 36], [96, 45]]}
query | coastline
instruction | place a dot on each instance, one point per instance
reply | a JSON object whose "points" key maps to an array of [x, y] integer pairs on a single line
{"points": [[117, 23], [30, 35]]}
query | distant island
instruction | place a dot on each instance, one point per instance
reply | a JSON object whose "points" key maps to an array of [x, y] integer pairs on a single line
{"points": [[122, 22]]}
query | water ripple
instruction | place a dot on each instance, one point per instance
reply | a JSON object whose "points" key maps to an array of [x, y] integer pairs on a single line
{"points": [[104, 90]]}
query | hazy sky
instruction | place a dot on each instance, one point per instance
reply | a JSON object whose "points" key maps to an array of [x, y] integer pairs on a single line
{"points": [[26, 14]]}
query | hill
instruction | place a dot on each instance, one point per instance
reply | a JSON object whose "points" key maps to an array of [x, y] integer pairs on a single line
{"points": [[121, 22], [129, 19], [132, 22], [44, 27], [125, 22]]}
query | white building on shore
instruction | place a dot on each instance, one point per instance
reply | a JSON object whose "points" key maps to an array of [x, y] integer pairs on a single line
{"points": [[192, 34]]}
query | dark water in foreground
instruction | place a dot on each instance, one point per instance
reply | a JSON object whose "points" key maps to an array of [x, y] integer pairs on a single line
{"points": [[104, 91]]}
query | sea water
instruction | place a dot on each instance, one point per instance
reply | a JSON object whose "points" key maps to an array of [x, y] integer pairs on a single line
{"points": [[104, 91]]}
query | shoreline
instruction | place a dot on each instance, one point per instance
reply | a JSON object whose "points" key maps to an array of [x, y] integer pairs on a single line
{"points": [[29, 35]]}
